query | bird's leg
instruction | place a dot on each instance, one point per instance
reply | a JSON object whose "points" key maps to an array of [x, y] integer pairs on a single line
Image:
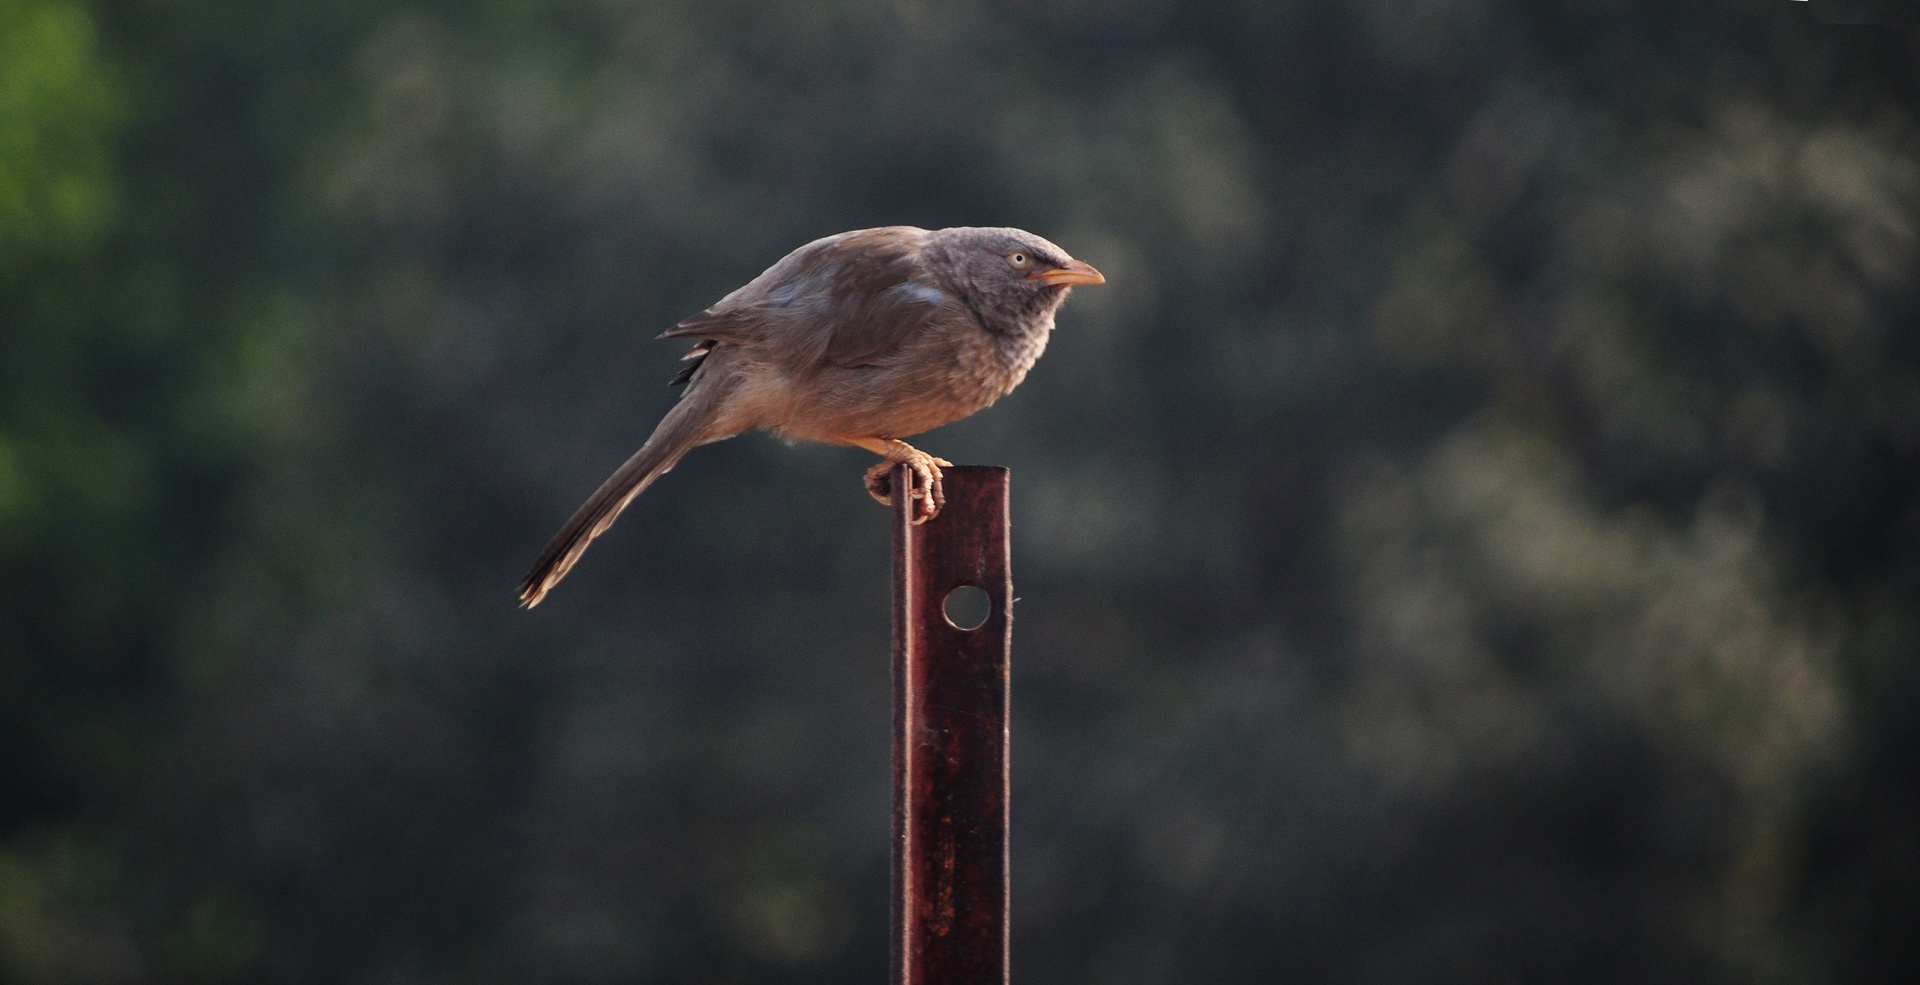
{"points": [[926, 474]]}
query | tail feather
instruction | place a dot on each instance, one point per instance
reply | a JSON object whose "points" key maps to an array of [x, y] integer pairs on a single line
{"points": [[680, 431]]}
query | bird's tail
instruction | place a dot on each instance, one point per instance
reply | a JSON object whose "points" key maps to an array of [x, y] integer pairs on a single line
{"points": [[684, 427]]}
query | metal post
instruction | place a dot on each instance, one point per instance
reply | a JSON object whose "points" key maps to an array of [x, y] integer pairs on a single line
{"points": [[950, 691]]}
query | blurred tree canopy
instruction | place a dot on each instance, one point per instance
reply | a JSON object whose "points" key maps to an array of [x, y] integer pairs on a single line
{"points": [[1474, 536]]}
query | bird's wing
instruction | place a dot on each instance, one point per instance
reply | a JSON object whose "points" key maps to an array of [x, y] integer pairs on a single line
{"points": [[846, 300]]}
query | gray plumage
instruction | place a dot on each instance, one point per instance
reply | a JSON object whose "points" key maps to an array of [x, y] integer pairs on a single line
{"points": [[862, 338]]}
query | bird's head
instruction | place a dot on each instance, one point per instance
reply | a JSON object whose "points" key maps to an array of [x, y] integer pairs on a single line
{"points": [[1012, 276]]}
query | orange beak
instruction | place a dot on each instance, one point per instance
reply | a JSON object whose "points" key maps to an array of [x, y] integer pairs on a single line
{"points": [[1074, 272]]}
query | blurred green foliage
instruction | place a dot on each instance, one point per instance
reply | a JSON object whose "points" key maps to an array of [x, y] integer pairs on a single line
{"points": [[1474, 536], [56, 176]]}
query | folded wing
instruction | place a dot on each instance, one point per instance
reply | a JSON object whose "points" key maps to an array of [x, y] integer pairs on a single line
{"points": [[855, 299]]}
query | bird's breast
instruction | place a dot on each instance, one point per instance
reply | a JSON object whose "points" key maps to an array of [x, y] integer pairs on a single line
{"points": [[947, 376]]}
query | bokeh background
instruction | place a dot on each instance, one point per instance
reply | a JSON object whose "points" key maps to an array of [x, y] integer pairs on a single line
{"points": [[1475, 536]]}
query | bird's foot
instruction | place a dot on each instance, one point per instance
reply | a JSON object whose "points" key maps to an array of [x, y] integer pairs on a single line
{"points": [[929, 497]]}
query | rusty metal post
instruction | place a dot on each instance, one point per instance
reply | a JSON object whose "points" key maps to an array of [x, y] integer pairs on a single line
{"points": [[950, 691]]}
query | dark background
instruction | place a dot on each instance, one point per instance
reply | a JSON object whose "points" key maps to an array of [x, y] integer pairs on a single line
{"points": [[1475, 536]]}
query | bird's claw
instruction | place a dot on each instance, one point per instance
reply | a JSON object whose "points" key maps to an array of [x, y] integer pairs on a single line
{"points": [[930, 497]]}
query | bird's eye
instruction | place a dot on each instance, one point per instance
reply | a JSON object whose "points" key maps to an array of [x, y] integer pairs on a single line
{"points": [[1019, 260]]}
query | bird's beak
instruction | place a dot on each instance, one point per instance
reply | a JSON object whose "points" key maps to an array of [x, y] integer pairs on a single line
{"points": [[1073, 272]]}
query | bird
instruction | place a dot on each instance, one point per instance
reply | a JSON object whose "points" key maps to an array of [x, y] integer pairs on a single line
{"points": [[862, 338]]}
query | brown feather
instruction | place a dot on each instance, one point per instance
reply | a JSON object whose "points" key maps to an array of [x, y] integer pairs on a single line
{"points": [[694, 358], [862, 338], [684, 427]]}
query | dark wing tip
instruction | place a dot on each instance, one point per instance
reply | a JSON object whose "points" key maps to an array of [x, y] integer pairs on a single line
{"points": [[694, 358]]}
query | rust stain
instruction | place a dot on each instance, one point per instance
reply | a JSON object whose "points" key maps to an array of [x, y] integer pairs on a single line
{"points": [[940, 921]]}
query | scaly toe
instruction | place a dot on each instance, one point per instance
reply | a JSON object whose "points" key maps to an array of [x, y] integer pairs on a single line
{"points": [[880, 482], [935, 494], [924, 479]]}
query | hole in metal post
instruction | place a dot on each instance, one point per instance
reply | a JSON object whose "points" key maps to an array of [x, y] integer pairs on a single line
{"points": [[967, 607]]}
